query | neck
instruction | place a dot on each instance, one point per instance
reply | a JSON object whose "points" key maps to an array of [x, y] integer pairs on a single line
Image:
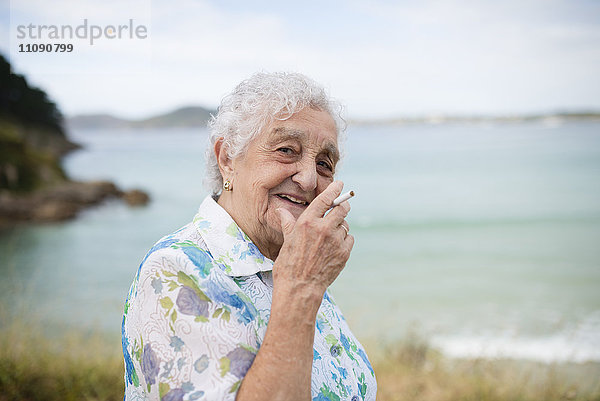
{"points": [[268, 248]]}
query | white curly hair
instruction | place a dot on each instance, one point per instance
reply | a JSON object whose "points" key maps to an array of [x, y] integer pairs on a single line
{"points": [[254, 104]]}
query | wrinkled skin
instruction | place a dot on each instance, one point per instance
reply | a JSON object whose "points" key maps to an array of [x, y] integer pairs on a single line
{"points": [[282, 188]]}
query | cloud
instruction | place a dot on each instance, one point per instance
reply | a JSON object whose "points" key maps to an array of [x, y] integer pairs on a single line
{"points": [[381, 57]]}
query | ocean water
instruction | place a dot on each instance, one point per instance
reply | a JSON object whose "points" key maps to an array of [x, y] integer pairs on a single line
{"points": [[485, 239]]}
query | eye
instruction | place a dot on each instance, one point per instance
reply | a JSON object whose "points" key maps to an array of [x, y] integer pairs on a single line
{"points": [[326, 165], [285, 151]]}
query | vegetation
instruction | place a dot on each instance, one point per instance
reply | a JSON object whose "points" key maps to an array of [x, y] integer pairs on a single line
{"points": [[411, 370], [25, 103], [32, 139], [24, 167], [34, 366], [75, 367]]}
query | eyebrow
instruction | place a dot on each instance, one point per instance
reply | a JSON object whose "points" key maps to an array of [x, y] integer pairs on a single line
{"points": [[282, 133]]}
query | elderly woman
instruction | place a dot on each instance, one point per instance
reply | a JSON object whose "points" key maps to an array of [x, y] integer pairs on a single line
{"points": [[235, 305]]}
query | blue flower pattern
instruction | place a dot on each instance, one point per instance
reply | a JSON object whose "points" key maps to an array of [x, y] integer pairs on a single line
{"points": [[197, 312]]}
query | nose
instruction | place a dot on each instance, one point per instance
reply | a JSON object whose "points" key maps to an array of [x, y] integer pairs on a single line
{"points": [[306, 176]]}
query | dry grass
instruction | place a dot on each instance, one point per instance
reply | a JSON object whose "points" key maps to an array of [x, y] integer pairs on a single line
{"points": [[77, 367], [411, 370], [88, 367]]}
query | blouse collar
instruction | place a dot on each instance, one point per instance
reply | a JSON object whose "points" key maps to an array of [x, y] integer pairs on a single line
{"points": [[231, 248]]}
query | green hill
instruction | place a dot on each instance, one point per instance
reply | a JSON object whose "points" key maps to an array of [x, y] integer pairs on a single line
{"points": [[190, 116]]}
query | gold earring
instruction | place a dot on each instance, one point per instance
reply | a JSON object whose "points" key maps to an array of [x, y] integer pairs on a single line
{"points": [[227, 185]]}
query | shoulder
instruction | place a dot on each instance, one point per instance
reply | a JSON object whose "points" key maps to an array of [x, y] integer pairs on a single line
{"points": [[185, 326], [181, 267], [182, 251], [181, 248]]}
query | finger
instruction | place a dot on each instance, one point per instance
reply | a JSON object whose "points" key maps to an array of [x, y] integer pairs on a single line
{"points": [[349, 243], [338, 213], [346, 247], [321, 204], [346, 225], [345, 230], [286, 220]]}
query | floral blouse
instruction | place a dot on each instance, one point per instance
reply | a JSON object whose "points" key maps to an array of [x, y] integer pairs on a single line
{"points": [[197, 312]]}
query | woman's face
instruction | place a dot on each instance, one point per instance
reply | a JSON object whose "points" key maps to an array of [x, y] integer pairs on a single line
{"points": [[286, 166]]}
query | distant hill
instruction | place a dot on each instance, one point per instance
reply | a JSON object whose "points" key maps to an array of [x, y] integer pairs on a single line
{"points": [[190, 116], [550, 118], [196, 116]]}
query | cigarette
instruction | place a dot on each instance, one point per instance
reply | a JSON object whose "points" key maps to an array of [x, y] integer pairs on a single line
{"points": [[342, 198]]}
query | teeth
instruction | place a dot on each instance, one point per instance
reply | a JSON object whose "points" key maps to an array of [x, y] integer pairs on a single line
{"points": [[301, 202]]}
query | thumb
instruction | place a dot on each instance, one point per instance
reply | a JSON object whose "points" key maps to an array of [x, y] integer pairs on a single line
{"points": [[287, 221]]}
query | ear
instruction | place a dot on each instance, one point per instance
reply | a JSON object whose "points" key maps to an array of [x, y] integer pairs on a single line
{"points": [[224, 161]]}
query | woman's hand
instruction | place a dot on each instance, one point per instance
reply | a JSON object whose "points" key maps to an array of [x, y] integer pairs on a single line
{"points": [[316, 247], [314, 252]]}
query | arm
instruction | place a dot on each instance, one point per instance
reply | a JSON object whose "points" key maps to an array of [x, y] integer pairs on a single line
{"points": [[314, 252]]}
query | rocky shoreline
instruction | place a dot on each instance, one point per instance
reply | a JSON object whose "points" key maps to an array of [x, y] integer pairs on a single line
{"points": [[34, 187], [63, 201]]}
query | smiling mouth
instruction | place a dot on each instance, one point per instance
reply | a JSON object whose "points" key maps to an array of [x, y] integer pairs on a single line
{"points": [[293, 200]]}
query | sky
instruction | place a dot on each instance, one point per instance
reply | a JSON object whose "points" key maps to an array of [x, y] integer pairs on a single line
{"points": [[381, 58]]}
